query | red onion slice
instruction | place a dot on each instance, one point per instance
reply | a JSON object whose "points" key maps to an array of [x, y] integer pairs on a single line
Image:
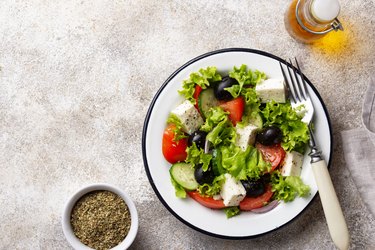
{"points": [[266, 208]]}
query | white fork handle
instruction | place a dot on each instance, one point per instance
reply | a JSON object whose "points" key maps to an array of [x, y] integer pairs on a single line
{"points": [[331, 207]]}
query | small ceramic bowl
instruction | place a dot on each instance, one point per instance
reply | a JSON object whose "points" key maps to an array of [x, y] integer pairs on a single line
{"points": [[67, 228]]}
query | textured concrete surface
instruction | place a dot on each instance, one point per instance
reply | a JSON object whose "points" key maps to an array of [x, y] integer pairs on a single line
{"points": [[76, 78]]}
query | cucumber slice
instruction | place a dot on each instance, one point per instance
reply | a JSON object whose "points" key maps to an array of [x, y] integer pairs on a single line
{"points": [[256, 120], [206, 101], [183, 174]]}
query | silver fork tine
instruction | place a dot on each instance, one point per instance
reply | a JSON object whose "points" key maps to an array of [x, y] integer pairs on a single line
{"points": [[292, 85], [290, 91], [297, 84], [303, 85]]}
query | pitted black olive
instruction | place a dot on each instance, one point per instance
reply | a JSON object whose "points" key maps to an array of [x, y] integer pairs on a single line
{"points": [[203, 177], [269, 136], [253, 188], [199, 137], [219, 88]]}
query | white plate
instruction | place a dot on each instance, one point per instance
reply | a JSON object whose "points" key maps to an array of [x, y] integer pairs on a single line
{"points": [[208, 221]]}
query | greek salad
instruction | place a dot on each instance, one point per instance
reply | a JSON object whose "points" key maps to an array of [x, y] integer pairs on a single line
{"points": [[236, 143]]}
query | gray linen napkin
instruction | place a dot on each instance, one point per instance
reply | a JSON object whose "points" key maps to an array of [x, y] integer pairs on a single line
{"points": [[359, 150]]}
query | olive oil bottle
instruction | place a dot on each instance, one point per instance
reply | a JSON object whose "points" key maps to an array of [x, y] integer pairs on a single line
{"points": [[309, 20]]}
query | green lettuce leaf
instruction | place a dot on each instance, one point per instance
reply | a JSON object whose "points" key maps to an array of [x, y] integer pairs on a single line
{"points": [[240, 164], [234, 161], [295, 132], [178, 131], [296, 183], [197, 156], [256, 166], [213, 188], [217, 167], [231, 211], [244, 77], [252, 109], [179, 191], [220, 129], [215, 116], [286, 188], [202, 78]]}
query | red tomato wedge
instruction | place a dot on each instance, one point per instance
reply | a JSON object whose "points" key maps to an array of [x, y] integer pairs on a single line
{"points": [[197, 91], [250, 203], [235, 108], [206, 201], [173, 151], [274, 154]]}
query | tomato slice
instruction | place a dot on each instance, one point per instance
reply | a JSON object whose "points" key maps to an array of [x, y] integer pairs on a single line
{"points": [[235, 108], [274, 154], [249, 203], [206, 201], [173, 151], [197, 91]]}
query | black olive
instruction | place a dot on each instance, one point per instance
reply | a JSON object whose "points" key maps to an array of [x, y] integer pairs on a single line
{"points": [[253, 188], [269, 136], [203, 177], [199, 137], [266, 178], [219, 88]]}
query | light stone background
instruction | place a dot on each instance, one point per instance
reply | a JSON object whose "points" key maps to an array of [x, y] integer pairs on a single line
{"points": [[76, 79]]}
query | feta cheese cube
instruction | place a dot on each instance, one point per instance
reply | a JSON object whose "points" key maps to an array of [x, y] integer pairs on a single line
{"points": [[271, 89], [246, 136], [292, 164], [189, 116], [232, 191]]}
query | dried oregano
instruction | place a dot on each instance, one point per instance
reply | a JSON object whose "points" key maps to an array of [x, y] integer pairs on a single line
{"points": [[100, 219]]}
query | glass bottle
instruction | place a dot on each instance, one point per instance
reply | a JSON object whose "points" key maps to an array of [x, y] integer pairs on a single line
{"points": [[309, 20]]}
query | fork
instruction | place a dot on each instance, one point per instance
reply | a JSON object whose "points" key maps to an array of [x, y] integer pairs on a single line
{"points": [[299, 95]]}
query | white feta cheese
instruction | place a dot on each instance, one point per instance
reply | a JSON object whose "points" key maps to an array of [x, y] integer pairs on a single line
{"points": [[271, 89], [246, 136], [292, 164], [232, 191], [189, 116]]}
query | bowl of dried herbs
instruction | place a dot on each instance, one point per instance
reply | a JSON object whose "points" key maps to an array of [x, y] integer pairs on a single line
{"points": [[100, 216]]}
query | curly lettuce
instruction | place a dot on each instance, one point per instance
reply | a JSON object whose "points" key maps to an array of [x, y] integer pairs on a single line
{"points": [[178, 131], [220, 129], [231, 211], [234, 161], [245, 78], [212, 189], [295, 132], [241, 164], [217, 166], [256, 166], [286, 188], [197, 156], [203, 78], [252, 108]]}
